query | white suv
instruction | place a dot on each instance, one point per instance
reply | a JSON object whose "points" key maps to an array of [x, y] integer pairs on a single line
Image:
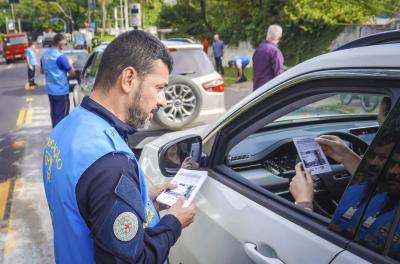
{"points": [[245, 212], [195, 94]]}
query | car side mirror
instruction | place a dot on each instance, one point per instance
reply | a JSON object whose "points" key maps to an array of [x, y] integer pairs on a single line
{"points": [[184, 152]]}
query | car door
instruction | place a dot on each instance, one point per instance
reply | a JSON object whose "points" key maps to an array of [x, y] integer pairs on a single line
{"points": [[376, 237], [239, 222]]}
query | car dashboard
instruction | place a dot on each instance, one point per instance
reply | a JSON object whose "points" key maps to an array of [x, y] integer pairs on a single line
{"points": [[268, 158]]}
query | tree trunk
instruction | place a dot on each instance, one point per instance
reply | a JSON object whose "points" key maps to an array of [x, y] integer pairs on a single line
{"points": [[203, 10]]}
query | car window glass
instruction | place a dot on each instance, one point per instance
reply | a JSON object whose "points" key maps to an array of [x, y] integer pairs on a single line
{"points": [[16, 40], [95, 66], [88, 65], [78, 59], [367, 206], [339, 105], [191, 63]]}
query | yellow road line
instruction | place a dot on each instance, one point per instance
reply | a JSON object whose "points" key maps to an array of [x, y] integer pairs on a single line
{"points": [[27, 86], [29, 99], [4, 186], [9, 243], [28, 118], [21, 116]]}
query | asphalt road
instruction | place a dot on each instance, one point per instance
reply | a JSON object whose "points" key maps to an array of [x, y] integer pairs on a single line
{"points": [[25, 224], [26, 234]]}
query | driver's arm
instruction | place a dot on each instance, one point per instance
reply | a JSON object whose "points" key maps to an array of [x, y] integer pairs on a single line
{"points": [[335, 148]]}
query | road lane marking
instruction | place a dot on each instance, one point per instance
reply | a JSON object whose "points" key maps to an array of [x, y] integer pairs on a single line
{"points": [[21, 116], [29, 99], [9, 66], [28, 118], [4, 187], [9, 243], [27, 86]]}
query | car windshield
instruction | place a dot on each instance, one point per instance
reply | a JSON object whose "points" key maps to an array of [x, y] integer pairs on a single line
{"points": [[78, 59], [192, 63], [16, 40], [337, 106]]}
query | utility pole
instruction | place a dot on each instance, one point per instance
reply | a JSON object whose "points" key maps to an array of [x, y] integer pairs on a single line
{"points": [[121, 14], [12, 12], [126, 16], [116, 20]]}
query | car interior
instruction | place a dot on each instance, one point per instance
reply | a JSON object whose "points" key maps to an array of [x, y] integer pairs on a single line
{"points": [[266, 156]]}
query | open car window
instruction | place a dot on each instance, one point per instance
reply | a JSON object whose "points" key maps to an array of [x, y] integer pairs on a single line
{"points": [[267, 158]]}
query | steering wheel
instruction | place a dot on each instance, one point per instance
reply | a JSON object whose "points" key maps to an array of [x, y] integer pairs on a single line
{"points": [[336, 181]]}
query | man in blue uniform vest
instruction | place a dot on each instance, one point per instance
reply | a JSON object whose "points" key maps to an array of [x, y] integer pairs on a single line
{"points": [[101, 209], [239, 63], [55, 66]]}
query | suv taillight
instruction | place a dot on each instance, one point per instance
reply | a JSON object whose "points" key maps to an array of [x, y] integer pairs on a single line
{"points": [[214, 86]]}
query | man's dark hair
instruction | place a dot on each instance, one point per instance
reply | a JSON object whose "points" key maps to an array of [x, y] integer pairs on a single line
{"points": [[58, 38], [135, 49], [30, 43]]}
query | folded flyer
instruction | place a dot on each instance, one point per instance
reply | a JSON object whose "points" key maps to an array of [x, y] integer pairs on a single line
{"points": [[311, 155], [188, 184]]}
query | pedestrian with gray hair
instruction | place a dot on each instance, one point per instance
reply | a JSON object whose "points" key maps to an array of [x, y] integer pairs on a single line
{"points": [[268, 59]]}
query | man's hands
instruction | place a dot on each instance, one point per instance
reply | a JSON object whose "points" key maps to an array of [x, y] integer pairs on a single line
{"points": [[184, 215], [302, 185], [335, 148], [155, 191]]}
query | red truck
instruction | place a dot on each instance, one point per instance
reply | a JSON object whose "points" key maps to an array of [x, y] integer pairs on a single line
{"points": [[14, 46]]}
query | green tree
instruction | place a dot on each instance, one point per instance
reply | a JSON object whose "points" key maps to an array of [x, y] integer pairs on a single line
{"points": [[309, 26]]}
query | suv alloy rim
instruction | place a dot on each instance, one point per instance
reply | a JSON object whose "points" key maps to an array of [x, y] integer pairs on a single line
{"points": [[181, 102]]}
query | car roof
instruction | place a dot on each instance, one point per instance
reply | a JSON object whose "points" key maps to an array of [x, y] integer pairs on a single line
{"points": [[379, 56]]}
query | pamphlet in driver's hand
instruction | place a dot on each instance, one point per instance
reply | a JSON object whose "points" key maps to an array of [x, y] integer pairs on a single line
{"points": [[311, 155], [188, 184]]}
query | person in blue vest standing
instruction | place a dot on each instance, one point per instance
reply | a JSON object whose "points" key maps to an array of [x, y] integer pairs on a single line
{"points": [[101, 208], [55, 67], [239, 63]]}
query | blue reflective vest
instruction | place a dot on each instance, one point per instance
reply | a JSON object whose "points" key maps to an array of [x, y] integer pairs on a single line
{"points": [[76, 143], [244, 59], [56, 78]]}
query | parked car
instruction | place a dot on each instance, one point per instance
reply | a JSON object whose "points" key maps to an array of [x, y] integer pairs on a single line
{"points": [[195, 94], [47, 39], [39, 40], [77, 59], [14, 46], [245, 212]]}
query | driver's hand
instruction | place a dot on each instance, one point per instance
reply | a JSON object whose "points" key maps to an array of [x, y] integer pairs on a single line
{"points": [[334, 147], [302, 185]]}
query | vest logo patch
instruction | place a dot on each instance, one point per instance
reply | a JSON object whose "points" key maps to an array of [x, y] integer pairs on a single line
{"points": [[125, 226]]}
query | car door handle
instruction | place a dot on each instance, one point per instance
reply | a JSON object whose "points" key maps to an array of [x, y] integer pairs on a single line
{"points": [[257, 257]]}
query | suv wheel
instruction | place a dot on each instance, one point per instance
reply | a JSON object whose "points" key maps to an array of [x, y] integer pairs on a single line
{"points": [[183, 104]]}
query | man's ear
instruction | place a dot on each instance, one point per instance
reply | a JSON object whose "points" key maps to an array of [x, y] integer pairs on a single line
{"points": [[129, 77]]}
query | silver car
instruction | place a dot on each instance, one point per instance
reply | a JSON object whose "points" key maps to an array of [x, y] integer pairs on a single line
{"points": [[245, 212], [195, 94]]}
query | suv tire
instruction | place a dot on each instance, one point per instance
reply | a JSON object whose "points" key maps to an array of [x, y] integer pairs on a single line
{"points": [[184, 102]]}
